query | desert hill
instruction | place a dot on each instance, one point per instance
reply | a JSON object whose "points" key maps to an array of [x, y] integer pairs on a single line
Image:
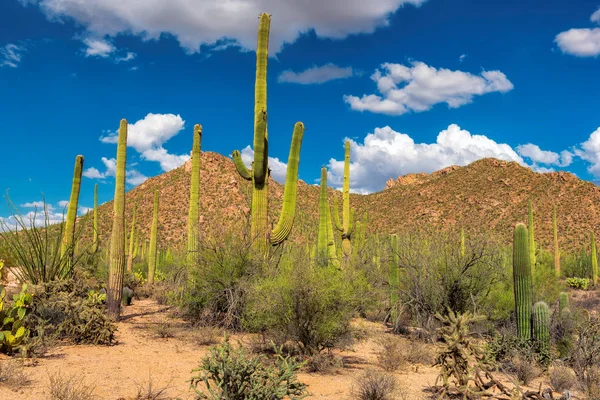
{"points": [[488, 194]]}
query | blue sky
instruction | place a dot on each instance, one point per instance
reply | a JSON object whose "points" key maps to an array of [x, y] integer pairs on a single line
{"points": [[417, 85]]}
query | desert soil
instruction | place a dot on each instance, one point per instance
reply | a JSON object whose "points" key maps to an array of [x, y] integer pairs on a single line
{"points": [[141, 355]]}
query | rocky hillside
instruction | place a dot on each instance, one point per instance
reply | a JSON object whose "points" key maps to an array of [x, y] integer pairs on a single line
{"points": [[488, 194]]}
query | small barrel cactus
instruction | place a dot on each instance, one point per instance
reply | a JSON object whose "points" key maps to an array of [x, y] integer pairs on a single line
{"points": [[541, 324]]}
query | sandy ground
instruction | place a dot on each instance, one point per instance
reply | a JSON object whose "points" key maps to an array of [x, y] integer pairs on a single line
{"points": [[117, 372]]}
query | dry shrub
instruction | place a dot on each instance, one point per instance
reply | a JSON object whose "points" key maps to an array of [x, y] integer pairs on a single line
{"points": [[591, 383], [373, 385], [392, 354], [13, 375], [207, 336], [70, 388], [163, 330], [562, 378], [525, 369], [325, 363], [419, 353], [148, 392]]}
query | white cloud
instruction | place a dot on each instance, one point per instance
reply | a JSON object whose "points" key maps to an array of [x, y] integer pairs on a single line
{"points": [[63, 203], [33, 204], [277, 167], [590, 152], [98, 47], [419, 87], [148, 135], [580, 42], [128, 57], [462, 57], [132, 176], [315, 75], [596, 16], [11, 55], [208, 22], [537, 155], [386, 154]]}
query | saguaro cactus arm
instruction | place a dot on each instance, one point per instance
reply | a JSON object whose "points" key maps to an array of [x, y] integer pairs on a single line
{"points": [[69, 234], [336, 218], [240, 166], [322, 236], [286, 220]]}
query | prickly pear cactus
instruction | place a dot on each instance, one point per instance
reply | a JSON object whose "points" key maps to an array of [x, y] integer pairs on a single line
{"points": [[12, 331]]}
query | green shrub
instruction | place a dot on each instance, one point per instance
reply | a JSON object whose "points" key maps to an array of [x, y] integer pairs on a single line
{"points": [[306, 304], [12, 330], [63, 310], [579, 283], [230, 373]]}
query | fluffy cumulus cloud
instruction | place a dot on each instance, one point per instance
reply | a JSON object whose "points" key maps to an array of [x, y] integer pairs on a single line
{"points": [[208, 22], [132, 176], [148, 135], [98, 47], [581, 42], [277, 167], [418, 87], [590, 152], [539, 156], [386, 154], [37, 217], [316, 75], [11, 55]]}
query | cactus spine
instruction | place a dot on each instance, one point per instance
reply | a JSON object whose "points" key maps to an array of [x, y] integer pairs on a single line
{"points": [[95, 243], [259, 229], [194, 213], [116, 261], [152, 254], [522, 281], [347, 224], [563, 302], [68, 245], [531, 237], [556, 250], [130, 254], [541, 324], [594, 260]]}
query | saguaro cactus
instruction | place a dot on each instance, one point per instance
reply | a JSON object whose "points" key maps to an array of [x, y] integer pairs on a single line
{"points": [[322, 239], [563, 302], [522, 281], [117, 240], [594, 260], [259, 229], [394, 277], [67, 245], [331, 247], [531, 238], [347, 224], [541, 324], [95, 243], [194, 213], [130, 254], [153, 233], [462, 243], [556, 250]]}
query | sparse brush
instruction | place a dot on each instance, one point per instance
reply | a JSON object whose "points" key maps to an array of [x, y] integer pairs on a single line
{"points": [[325, 363], [164, 330], [562, 378], [148, 391], [72, 387], [392, 354], [373, 385], [12, 375]]}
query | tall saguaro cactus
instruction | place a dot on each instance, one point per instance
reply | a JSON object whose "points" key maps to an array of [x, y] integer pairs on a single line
{"points": [[116, 261], [531, 238], [194, 213], [259, 228], [95, 243], [347, 224], [522, 281], [462, 243], [322, 239], [394, 277], [594, 259], [67, 245], [556, 249], [130, 254], [153, 241]]}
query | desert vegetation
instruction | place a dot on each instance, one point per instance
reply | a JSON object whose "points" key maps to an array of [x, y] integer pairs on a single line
{"points": [[278, 302]]}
